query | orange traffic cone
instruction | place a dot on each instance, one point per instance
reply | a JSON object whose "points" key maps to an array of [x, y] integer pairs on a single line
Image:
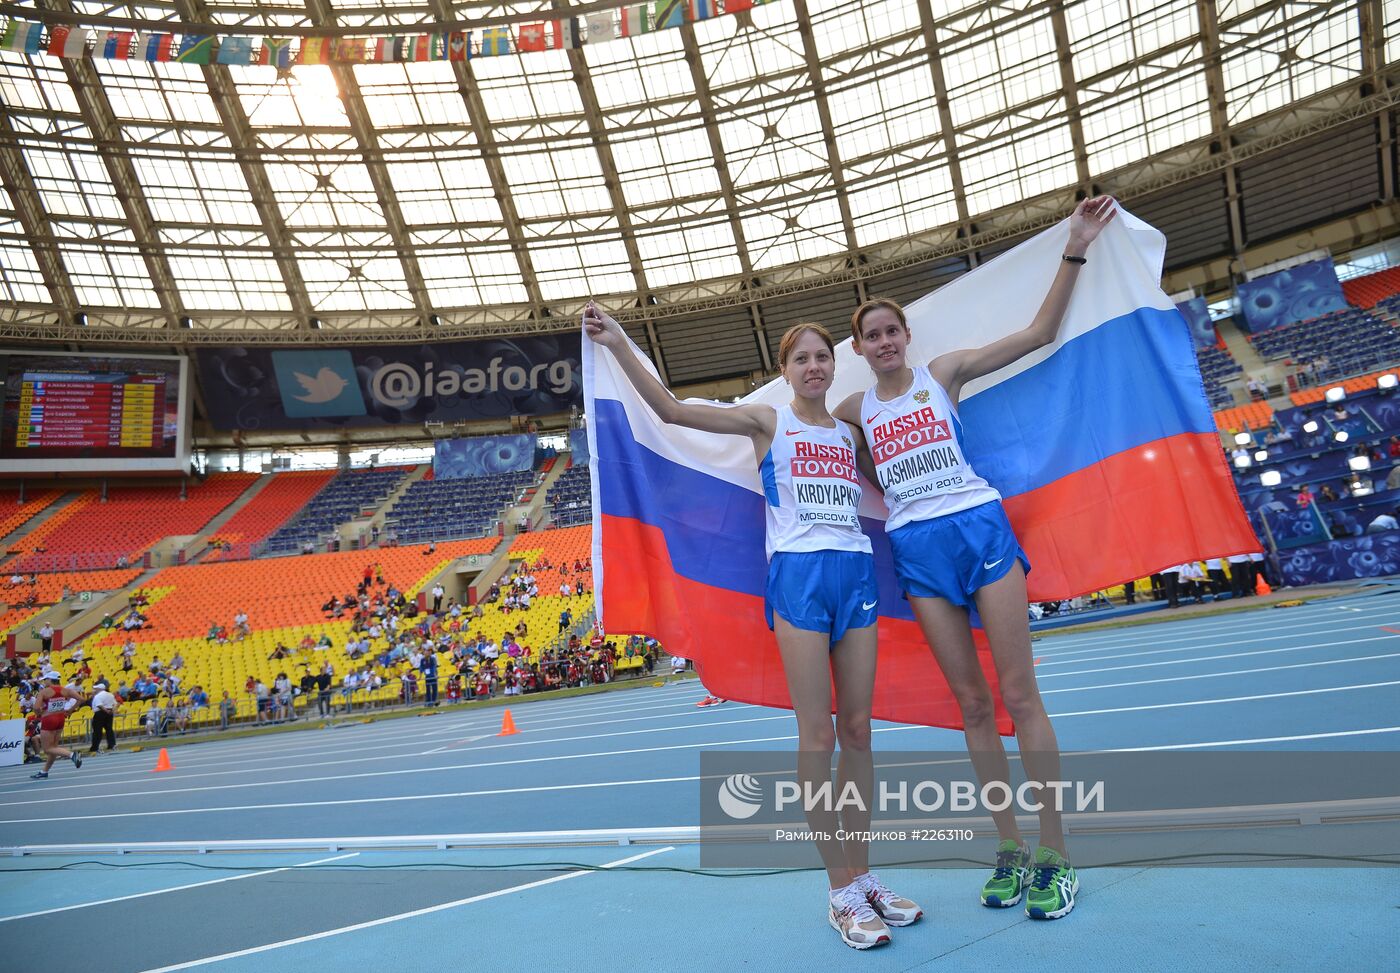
{"points": [[507, 726], [162, 762], [1261, 587]]}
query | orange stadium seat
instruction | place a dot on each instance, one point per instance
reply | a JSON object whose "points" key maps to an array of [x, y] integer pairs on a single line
{"points": [[269, 509], [1361, 383], [14, 515], [90, 533], [1252, 415], [1369, 290]]}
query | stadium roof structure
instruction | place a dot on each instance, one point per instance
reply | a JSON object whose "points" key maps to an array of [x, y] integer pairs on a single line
{"points": [[714, 182]]}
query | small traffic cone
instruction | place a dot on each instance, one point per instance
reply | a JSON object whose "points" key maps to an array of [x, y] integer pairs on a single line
{"points": [[1261, 587], [162, 762], [507, 726]]}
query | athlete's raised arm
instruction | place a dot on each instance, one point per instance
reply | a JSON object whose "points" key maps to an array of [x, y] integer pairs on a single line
{"points": [[754, 421], [957, 368]]}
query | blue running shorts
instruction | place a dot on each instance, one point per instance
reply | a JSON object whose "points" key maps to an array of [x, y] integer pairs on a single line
{"points": [[953, 556], [822, 591]]}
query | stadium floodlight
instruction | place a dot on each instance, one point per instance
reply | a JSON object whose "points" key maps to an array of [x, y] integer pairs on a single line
{"points": [[1310, 426], [186, 322], [1336, 393], [314, 323], [1359, 463], [1341, 436], [1387, 381], [1260, 456], [80, 319], [1271, 478], [435, 320], [1243, 439]]}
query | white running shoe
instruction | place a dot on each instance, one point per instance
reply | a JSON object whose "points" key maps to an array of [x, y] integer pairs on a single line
{"points": [[896, 910], [851, 915]]}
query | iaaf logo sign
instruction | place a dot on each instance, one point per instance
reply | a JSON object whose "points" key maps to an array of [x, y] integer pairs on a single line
{"points": [[741, 796]]}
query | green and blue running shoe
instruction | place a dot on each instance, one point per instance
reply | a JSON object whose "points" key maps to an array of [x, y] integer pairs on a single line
{"points": [[1008, 882], [1053, 886]]}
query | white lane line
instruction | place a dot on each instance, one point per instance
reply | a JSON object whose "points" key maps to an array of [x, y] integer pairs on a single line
{"points": [[281, 759], [1228, 699], [686, 746], [177, 888], [284, 765], [348, 801], [1049, 663], [1214, 638], [785, 715], [404, 915], [1247, 623], [1216, 675], [1240, 743], [1043, 676]]}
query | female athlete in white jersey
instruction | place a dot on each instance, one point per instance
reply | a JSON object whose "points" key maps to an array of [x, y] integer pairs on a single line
{"points": [[954, 547], [821, 597]]}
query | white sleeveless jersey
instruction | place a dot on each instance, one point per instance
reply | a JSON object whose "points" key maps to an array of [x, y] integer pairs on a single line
{"points": [[916, 442], [813, 491]]}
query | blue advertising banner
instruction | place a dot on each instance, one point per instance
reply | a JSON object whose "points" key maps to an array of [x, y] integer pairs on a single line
{"points": [[455, 459], [578, 446], [384, 385], [1198, 317], [1306, 291]]}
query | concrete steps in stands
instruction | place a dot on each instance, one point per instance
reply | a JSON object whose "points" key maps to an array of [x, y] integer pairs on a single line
{"points": [[198, 546], [363, 525]]}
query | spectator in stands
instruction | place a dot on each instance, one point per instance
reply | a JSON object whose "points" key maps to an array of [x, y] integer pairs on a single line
{"points": [[240, 625], [438, 592], [282, 689], [1340, 413], [199, 699], [323, 689], [1326, 494], [227, 710], [1305, 496], [1383, 522], [177, 661], [264, 701], [180, 714], [46, 638], [1394, 448], [213, 633], [1336, 528], [566, 618], [280, 651], [1392, 482], [16, 580], [1193, 581], [123, 561], [1257, 389]]}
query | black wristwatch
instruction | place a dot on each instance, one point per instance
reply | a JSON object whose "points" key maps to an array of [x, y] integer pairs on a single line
{"points": [[1075, 260]]}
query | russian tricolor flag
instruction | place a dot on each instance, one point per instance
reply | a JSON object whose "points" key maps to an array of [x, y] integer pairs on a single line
{"points": [[1102, 445]]}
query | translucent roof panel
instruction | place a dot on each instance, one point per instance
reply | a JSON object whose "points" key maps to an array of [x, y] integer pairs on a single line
{"points": [[1277, 56], [684, 163]]}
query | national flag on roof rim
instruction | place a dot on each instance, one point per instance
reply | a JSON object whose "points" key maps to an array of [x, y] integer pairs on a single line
{"points": [[702, 9], [567, 33], [22, 37], [635, 20], [69, 42], [314, 50], [459, 45], [601, 27], [154, 47], [495, 42], [276, 51], [235, 50], [115, 45], [195, 49], [1102, 446], [668, 14]]}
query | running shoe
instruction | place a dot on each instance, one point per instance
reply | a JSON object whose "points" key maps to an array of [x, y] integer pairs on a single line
{"points": [[41, 775], [851, 915], [76, 757], [1053, 886], [896, 910], [1008, 882]]}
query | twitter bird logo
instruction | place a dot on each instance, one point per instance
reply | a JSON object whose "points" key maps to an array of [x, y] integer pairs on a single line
{"points": [[325, 387], [318, 384]]}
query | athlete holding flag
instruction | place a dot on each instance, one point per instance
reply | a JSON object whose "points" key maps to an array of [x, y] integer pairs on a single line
{"points": [[954, 548], [820, 597]]}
